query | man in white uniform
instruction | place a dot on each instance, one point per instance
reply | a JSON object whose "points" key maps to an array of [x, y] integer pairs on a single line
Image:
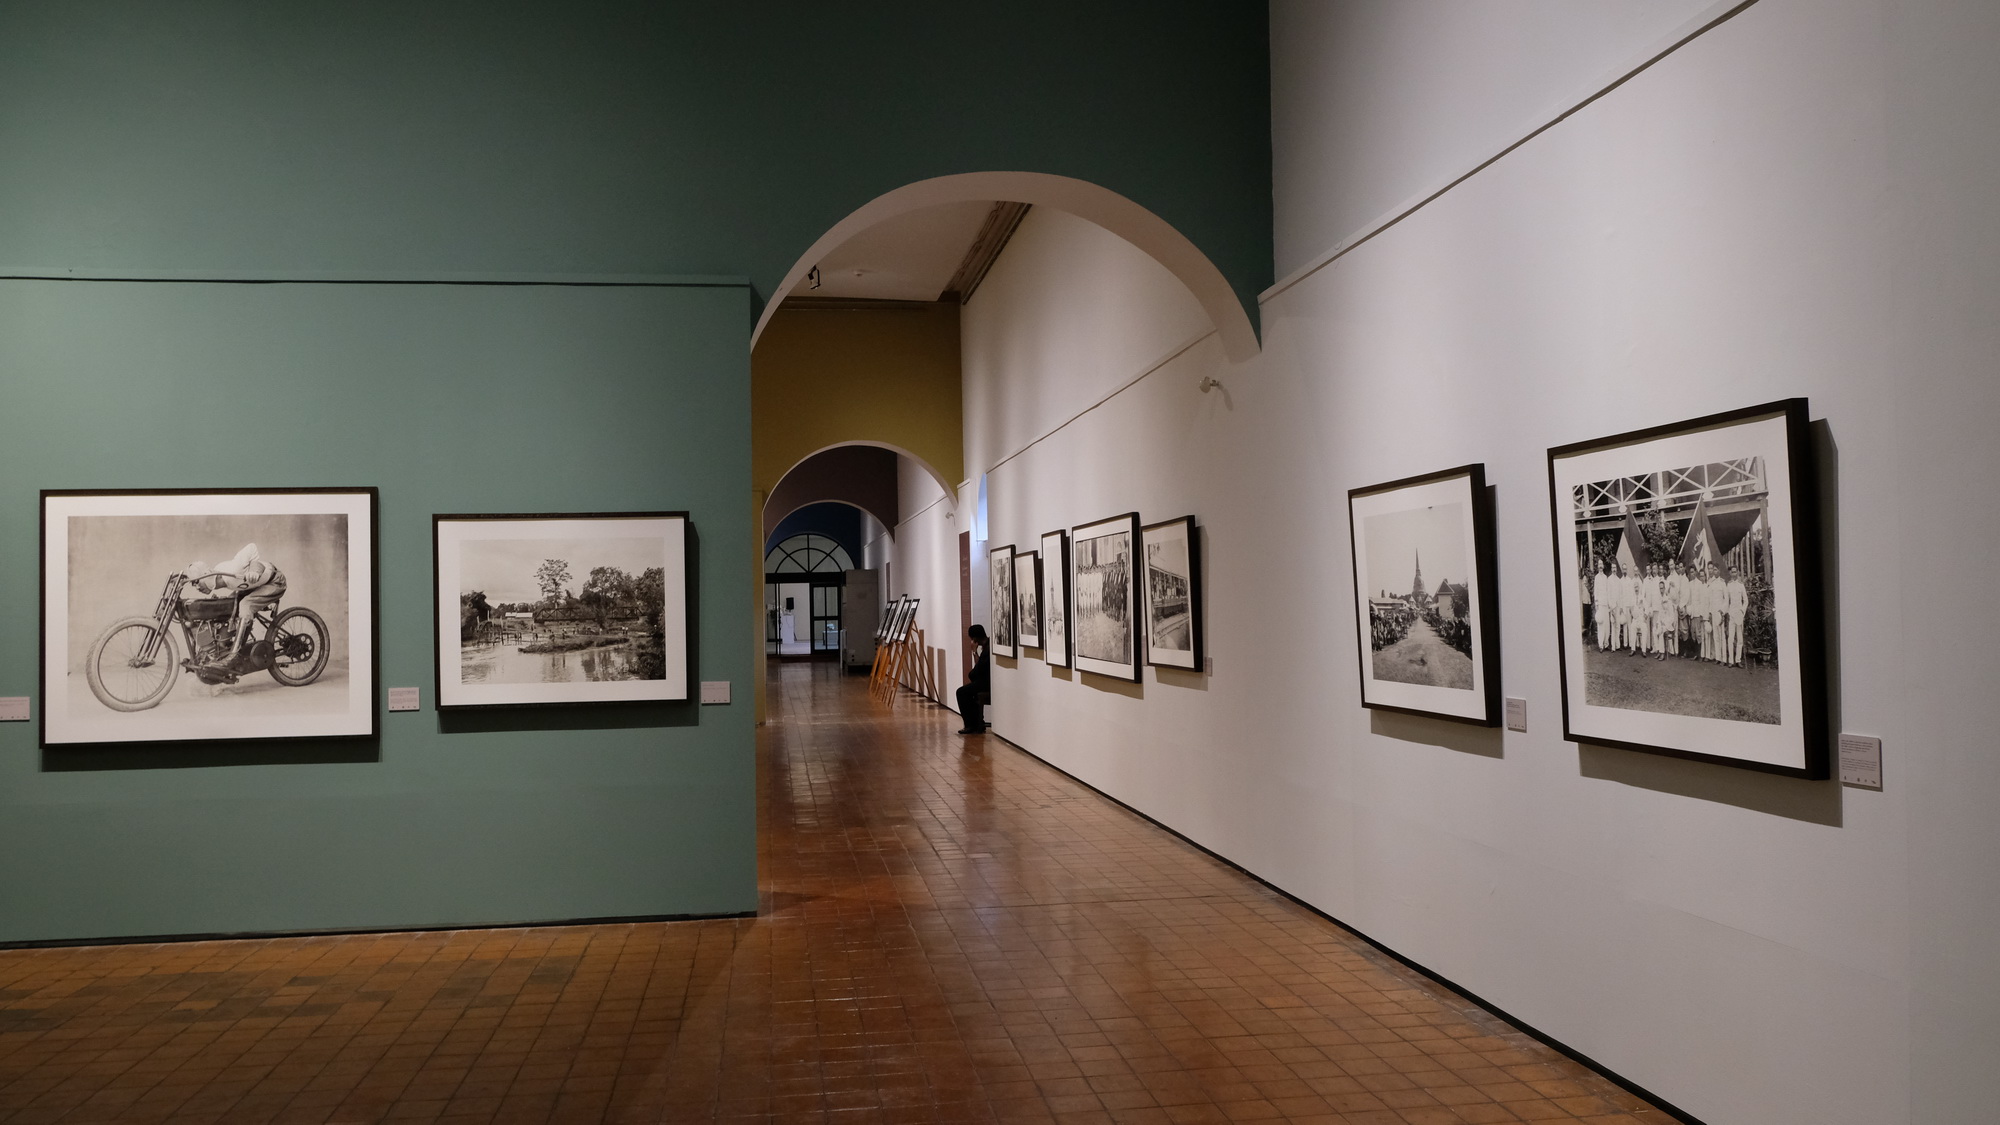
{"points": [[1711, 646], [1663, 613], [1736, 603], [1676, 606]]}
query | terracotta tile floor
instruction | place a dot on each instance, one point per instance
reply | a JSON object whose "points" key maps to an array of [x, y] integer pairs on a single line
{"points": [[950, 932]]}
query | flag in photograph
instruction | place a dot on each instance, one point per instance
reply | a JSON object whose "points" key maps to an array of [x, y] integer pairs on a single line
{"points": [[1698, 547]]}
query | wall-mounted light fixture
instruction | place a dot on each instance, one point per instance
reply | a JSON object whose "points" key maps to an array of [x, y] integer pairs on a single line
{"points": [[812, 278]]}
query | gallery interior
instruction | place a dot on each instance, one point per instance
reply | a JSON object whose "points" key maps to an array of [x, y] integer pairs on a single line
{"points": [[877, 294]]}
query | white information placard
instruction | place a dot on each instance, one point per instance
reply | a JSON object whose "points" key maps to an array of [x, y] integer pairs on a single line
{"points": [[1861, 761]]}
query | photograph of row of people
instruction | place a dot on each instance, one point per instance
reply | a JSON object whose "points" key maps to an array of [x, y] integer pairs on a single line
{"points": [[1668, 609]]}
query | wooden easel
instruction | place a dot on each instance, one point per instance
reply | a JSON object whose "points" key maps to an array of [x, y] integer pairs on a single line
{"points": [[895, 650]]}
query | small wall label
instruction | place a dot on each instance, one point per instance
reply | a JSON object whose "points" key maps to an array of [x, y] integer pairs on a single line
{"points": [[405, 698], [1517, 714], [1861, 761], [715, 691], [13, 708]]}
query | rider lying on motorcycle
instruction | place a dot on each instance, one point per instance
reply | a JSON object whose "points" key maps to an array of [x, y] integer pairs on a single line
{"points": [[248, 577]]}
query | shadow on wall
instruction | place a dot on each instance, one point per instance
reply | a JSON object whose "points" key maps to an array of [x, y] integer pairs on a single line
{"points": [[1815, 802], [209, 755], [1114, 686], [1486, 742]]}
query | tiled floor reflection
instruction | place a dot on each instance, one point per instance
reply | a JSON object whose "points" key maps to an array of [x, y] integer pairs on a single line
{"points": [[950, 932]]}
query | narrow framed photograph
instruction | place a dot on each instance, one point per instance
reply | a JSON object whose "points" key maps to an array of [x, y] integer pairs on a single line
{"points": [[1429, 643], [1000, 633], [1104, 596], [173, 615], [1055, 599], [1688, 591], [548, 610], [1028, 599], [1173, 594]]}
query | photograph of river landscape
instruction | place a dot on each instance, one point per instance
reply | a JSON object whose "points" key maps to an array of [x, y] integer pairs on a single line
{"points": [[552, 611]]}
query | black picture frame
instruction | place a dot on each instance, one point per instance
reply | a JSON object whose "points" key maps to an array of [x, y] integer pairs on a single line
{"points": [[456, 692], [213, 514], [1453, 510], [1057, 648], [1000, 636], [1095, 550], [1751, 691], [1024, 636], [1177, 595]]}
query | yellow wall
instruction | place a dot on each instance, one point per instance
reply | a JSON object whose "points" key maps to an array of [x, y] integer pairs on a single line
{"points": [[822, 376]]}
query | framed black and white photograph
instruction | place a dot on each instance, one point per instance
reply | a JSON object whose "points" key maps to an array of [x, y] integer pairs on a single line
{"points": [[1028, 599], [1688, 591], [1000, 633], [1424, 606], [1104, 596], [171, 615], [1173, 594], [1055, 598], [536, 610]]}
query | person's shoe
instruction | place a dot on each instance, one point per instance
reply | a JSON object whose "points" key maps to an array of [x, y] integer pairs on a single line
{"points": [[969, 730]]}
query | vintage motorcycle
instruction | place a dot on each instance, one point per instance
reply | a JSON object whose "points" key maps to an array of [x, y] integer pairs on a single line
{"points": [[133, 664]]}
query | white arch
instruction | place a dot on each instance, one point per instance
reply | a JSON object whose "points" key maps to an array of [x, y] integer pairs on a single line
{"points": [[1106, 208], [950, 489]]}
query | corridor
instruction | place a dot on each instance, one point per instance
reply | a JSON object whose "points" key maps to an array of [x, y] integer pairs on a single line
{"points": [[950, 931]]}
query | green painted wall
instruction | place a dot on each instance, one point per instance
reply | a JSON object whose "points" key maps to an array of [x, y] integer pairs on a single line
{"points": [[607, 136], [448, 398], [380, 140]]}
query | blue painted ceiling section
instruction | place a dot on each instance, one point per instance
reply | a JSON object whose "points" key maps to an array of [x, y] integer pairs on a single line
{"points": [[838, 522]]}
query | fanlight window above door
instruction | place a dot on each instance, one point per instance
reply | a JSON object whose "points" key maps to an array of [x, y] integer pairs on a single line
{"points": [[807, 554]]}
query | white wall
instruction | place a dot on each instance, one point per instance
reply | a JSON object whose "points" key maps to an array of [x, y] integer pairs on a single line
{"points": [[1377, 103], [1798, 203], [923, 559]]}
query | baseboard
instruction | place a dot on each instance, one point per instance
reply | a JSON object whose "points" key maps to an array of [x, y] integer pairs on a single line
{"points": [[1529, 1030], [259, 935]]}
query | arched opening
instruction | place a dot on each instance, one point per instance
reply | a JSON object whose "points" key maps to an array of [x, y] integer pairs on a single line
{"points": [[1100, 205], [859, 354]]}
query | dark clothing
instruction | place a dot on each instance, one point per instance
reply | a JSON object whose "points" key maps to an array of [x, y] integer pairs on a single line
{"points": [[972, 705], [972, 697], [982, 672]]}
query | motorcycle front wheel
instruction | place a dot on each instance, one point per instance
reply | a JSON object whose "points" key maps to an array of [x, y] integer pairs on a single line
{"points": [[120, 676], [299, 649]]}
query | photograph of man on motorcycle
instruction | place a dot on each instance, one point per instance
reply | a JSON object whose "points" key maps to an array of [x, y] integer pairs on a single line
{"points": [[248, 577]]}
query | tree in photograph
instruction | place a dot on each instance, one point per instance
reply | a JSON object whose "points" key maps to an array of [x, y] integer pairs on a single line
{"points": [[604, 591], [550, 576], [473, 613], [652, 595]]}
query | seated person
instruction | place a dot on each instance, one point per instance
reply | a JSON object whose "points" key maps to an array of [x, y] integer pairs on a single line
{"points": [[978, 681], [256, 583]]}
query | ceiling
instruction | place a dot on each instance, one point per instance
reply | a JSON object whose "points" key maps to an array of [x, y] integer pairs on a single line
{"points": [[912, 257]]}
